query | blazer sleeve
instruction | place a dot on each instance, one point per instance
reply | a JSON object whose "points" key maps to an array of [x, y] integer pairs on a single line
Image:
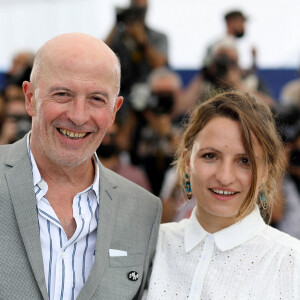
{"points": [[150, 249]]}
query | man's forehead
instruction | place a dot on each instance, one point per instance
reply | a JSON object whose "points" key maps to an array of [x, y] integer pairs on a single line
{"points": [[73, 77], [84, 69], [77, 56]]}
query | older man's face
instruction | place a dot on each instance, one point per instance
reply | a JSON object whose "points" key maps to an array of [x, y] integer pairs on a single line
{"points": [[73, 104]]}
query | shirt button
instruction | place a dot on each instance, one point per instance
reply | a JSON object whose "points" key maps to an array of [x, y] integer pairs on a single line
{"points": [[63, 255], [42, 185]]}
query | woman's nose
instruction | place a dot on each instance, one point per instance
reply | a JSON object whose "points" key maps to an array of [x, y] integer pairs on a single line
{"points": [[226, 173]]}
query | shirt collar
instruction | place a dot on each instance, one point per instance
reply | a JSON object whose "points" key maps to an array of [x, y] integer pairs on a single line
{"points": [[96, 178], [226, 238], [37, 178]]}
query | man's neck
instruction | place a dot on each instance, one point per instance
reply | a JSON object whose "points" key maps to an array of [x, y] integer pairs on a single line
{"points": [[79, 177], [64, 183]]}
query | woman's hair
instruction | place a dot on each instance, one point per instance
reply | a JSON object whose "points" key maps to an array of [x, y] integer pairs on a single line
{"points": [[256, 120]]}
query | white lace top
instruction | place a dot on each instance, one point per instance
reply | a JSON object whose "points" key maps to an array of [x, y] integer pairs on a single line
{"points": [[248, 260]]}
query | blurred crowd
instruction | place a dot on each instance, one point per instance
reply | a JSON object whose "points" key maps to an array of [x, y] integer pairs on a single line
{"points": [[142, 142]]}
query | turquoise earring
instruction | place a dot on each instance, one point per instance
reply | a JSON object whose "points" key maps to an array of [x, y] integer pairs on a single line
{"points": [[188, 187], [263, 198]]}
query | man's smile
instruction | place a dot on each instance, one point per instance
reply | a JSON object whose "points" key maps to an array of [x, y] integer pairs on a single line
{"points": [[71, 134]]}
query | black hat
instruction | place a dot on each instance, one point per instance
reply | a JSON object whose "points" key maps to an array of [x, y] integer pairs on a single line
{"points": [[234, 14]]}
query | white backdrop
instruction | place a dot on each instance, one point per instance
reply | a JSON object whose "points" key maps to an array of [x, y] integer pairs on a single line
{"points": [[273, 26]]}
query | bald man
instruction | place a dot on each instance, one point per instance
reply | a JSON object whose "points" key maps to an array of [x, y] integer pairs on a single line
{"points": [[70, 228]]}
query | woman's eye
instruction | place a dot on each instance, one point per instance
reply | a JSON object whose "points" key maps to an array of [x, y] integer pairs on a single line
{"points": [[245, 161], [209, 156]]}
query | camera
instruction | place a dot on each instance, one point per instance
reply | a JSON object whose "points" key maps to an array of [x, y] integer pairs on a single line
{"points": [[141, 98], [130, 15], [223, 64], [161, 103], [218, 68]]}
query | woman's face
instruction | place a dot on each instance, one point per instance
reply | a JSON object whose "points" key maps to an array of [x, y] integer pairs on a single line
{"points": [[220, 172]]}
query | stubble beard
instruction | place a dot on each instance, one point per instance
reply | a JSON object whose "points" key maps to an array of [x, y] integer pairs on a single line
{"points": [[69, 160]]}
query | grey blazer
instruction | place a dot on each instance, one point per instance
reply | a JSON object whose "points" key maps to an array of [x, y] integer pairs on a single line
{"points": [[129, 218]]}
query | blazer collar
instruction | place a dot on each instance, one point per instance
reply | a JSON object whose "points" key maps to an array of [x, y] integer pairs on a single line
{"points": [[226, 238], [109, 196], [20, 184]]}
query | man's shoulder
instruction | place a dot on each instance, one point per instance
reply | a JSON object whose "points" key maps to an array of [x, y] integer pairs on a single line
{"points": [[4, 150], [9, 150], [139, 205], [127, 186], [282, 239], [13, 152]]}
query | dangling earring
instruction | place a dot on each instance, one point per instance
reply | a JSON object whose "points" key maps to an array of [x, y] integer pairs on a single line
{"points": [[188, 187], [263, 197]]}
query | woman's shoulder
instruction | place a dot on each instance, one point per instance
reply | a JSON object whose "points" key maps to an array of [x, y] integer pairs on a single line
{"points": [[173, 228], [282, 239], [170, 235]]}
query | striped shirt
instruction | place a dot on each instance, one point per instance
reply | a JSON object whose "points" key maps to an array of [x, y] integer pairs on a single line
{"points": [[67, 263]]}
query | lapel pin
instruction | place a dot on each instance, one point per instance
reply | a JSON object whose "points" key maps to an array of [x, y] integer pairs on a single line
{"points": [[133, 275]]}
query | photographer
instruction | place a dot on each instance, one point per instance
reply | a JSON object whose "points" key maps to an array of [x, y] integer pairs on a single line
{"points": [[112, 157], [286, 215], [156, 134], [16, 121], [221, 71], [140, 48]]}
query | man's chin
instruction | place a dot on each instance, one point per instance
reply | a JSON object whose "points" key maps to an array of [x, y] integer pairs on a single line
{"points": [[69, 160]]}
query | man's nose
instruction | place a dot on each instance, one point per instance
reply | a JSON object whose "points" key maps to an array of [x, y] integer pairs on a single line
{"points": [[78, 111]]}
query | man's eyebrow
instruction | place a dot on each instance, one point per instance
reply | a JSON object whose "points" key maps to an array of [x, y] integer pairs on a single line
{"points": [[58, 88], [100, 93], [62, 88]]}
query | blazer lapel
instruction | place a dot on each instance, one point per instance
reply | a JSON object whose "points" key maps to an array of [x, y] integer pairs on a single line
{"points": [[106, 223], [20, 184]]}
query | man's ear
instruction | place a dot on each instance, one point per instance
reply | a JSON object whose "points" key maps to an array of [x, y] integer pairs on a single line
{"points": [[118, 104], [29, 98]]}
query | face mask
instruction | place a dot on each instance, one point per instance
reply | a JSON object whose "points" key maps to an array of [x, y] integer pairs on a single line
{"points": [[107, 150], [239, 34]]}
